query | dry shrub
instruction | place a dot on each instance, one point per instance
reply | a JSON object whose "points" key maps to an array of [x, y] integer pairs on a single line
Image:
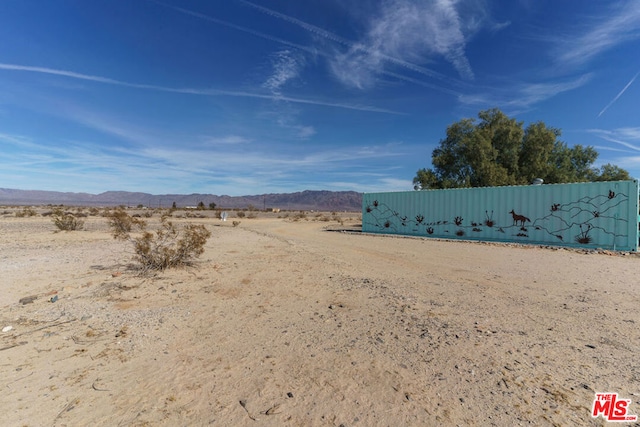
{"points": [[26, 212], [121, 223], [168, 247], [236, 223], [66, 221], [240, 214], [299, 216]]}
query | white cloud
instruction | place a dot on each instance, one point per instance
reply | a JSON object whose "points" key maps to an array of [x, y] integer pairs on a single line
{"points": [[346, 70], [286, 67], [523, 95], [620, 24], [626, 137], [305, 132], [409, 31]]}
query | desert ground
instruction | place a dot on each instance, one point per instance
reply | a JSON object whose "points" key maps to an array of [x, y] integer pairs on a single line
{"points": [[306, 323]]}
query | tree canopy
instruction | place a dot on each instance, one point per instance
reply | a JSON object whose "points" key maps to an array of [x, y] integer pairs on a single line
{"points": [[497, 150]]}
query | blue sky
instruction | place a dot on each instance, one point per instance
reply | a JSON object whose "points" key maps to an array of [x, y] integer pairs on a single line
{"points": [[249, 97]]}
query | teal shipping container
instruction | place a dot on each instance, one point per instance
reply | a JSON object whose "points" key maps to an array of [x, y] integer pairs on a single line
{"points": [[591, 215]]}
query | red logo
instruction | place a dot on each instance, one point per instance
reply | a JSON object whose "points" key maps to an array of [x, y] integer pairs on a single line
{"points": [[611, 408]]}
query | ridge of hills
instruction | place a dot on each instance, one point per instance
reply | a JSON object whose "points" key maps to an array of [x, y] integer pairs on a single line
{"points": [[321, 200]]}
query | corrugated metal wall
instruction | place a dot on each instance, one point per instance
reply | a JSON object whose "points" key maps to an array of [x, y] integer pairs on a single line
{"points": [[594, 215]]}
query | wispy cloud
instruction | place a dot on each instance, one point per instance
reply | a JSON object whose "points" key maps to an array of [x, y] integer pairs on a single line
{"points": [[624, 89], [358, 66], [225, 140], [192, 91], [626, 137], [158, 165], [524, 95], [286, 67], [366, 59], [618, 25], [408, 30]]}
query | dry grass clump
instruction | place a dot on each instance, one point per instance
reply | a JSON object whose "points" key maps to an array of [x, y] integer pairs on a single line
{"points": [[167, 247]]}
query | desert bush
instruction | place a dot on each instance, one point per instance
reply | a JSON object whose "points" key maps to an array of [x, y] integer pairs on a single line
{"points": [[252, 215], [240, 214], [66, 221], [26, 212], [337, 218], [300, 215], [168, 247], [121, 223], [236, 223]]}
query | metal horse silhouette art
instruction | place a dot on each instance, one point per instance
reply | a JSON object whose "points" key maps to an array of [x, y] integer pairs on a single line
{"points": [[518, 218]]}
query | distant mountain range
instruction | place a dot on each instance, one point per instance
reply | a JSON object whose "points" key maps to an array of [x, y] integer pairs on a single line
{"points": [[304, 200]]}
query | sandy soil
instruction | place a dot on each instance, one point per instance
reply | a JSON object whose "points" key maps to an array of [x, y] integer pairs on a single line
{"points": [[284, 323]]}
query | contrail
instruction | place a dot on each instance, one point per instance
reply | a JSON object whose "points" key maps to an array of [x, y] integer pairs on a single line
{"points": [[236, 27], [191, 91], [311, 28], [619, 95]]}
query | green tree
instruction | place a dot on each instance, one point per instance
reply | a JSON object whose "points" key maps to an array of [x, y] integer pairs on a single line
{"points": [[611, 172], [200, 206], [212, 206], [496, 150]]}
